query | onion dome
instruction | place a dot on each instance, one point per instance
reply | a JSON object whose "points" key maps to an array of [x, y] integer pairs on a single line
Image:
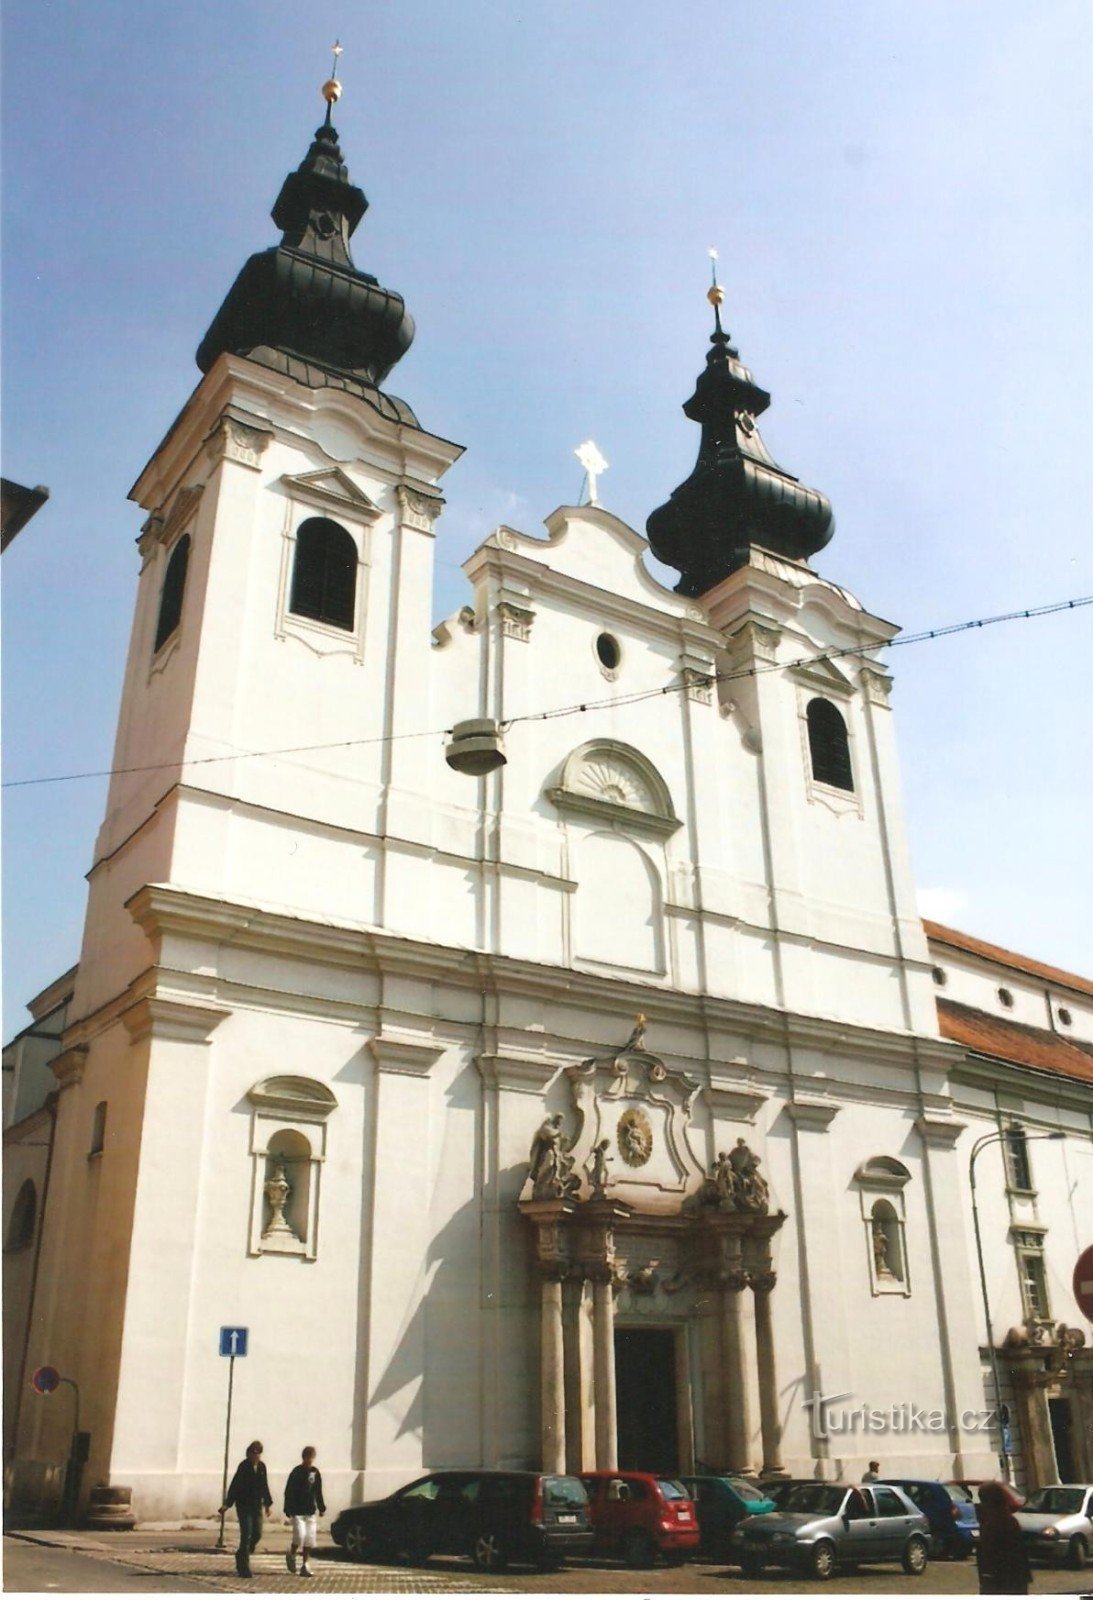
{"points": [[737, 494], [302, 307]]}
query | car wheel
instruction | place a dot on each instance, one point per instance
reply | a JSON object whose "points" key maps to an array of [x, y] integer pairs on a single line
{"points": [[488, 1552], [916, 1557], [751, 1566], [638, 1549], [822, 1560], [1077, 1553], [357, 1542]]}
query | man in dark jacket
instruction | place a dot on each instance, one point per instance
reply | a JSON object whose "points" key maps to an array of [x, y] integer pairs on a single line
{"points": [[249, 1493], [304, 1504]]}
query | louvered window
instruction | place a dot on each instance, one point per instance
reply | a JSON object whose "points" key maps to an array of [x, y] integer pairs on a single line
{"points": [[829, 746], [174, 586], [324, 574]]}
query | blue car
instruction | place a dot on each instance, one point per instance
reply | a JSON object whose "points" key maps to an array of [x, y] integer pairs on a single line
{"points": [[950, 1511], [721, 1501]]}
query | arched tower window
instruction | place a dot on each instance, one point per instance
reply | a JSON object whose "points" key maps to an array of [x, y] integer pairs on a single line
{"points": [[24, 1216], [174, 586], [324, 574], [829, 745]]}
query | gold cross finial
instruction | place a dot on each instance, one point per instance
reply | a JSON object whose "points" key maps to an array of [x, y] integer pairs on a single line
{"points": [[332, 89]]}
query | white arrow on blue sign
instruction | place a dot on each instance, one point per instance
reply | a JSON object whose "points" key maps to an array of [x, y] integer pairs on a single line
{"points": [[233, 1341]]}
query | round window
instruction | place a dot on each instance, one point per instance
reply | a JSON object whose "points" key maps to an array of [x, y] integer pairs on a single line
{"points": [[607, 648]]}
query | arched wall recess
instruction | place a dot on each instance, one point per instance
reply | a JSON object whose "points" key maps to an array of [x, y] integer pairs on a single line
{"points": [[288, 1149], [618, 914], [881, 1181], [608, 781]]}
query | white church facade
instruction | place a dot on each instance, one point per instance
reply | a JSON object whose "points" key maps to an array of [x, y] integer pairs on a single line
{"points": [[599, 1108]]}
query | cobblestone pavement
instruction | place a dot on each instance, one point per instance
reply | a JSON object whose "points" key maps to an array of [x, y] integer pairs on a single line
{"points": [[191, 1559]]}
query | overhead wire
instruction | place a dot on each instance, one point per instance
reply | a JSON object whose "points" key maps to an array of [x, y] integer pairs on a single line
{"points": [[580, 707]]}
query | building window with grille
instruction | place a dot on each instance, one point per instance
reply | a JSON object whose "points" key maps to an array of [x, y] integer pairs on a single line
{"points": [[829, 745], [174, 587], [1033, 1285], [1018, 1166], [324, 574]]}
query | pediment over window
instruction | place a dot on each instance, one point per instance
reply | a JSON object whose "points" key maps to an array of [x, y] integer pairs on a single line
{"points": [[823, 677], [331, 489], [883, 1172], [296, 1099], [611, 781]]}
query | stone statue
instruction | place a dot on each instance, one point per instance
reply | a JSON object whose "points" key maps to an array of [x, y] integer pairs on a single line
{"points": [[277, 1190], [735, 1183], [636, 1040], [752, 1192], [550, 1166], [880, 1250], [596, 1167]]}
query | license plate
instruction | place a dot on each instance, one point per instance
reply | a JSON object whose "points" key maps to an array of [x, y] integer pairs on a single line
{"points": [[567, 1516], [684, 1516]]}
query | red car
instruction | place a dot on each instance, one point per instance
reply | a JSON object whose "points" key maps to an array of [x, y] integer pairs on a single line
{"points": [[640, 1516]]}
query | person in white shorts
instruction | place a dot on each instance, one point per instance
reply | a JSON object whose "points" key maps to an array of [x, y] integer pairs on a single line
{"points": [[305, 1505]]}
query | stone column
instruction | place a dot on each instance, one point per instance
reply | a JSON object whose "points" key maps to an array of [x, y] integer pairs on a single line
{"points": [[734, 1282], [762, 1283], [552, 1375], [603, 1367]]}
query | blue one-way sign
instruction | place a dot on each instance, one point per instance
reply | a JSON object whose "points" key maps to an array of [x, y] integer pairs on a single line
{"points": [[233, 1341]]}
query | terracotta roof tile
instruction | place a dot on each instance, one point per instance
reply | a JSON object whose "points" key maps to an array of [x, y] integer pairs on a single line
{"points": [[1014, 1041], [939, 934]]}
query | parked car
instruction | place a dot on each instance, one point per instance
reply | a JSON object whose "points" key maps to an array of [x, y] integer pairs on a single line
{"points": [[493, 1517], [640, 1516], [720, 1502], [1057, 1523], [950, 1510], [819, 1527]]}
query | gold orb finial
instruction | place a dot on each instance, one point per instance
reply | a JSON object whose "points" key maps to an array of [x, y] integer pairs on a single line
{"points": [[715, 294], [332, 89]]}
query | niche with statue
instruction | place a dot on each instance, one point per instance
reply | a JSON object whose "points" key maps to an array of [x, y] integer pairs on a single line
{"points": [[288, 1149]]}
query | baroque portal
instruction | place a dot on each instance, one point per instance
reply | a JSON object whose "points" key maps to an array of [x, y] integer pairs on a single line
{"points": [[633, 1228]]}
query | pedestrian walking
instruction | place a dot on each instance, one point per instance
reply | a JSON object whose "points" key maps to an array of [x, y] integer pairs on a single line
{"points": [[305, 1505], [1000, 1555], [873, 1475], [249, 1493]]}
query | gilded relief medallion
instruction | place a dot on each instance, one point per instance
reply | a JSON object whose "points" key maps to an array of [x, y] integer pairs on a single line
{"points": [[635, 1138]]}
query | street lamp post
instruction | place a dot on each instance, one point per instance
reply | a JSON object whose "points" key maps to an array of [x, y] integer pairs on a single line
{"points": [[981, 1144]]}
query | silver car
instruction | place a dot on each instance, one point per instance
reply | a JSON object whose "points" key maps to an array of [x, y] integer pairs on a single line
{"points": [[821, 1526], [1057, 1523]]}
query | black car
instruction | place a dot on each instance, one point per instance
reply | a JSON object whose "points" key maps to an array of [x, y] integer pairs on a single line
{"points": [[493, 1517]]}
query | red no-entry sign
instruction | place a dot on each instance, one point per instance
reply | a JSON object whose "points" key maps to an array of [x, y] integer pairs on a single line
{"points": [[1083, 1283], [45, 1380]]}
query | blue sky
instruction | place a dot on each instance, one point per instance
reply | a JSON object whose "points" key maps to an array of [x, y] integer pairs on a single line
{"points": [[901, 197]]}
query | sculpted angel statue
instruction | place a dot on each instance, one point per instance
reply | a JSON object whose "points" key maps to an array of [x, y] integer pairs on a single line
{"points": [[550, 1166]]}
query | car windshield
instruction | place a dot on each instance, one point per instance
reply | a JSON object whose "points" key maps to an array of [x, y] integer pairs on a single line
{"points": [[1055, 1502], [564, 1492], [822, 1498], [671, 1490]]}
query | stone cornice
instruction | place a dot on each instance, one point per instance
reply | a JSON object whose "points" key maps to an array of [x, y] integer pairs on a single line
{"points": [[524, 1074], [68, 1067], [941, 1133], [816, 1114], [404, 1056], [162, 1016], [159, 909], [737, 1101]]}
